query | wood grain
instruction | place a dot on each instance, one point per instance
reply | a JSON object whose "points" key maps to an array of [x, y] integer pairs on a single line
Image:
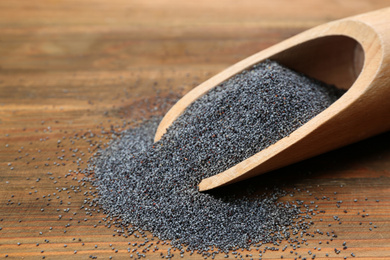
{"points": [[71, 67]]}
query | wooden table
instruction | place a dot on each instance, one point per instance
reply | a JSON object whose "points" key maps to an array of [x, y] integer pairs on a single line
{"points": [[69, 70]]}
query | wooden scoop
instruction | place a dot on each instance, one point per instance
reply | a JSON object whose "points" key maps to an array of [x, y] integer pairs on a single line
{"points": [[353, 54]]}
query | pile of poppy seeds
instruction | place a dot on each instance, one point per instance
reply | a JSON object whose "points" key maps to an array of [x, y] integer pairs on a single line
{"points": [[153, 186]]}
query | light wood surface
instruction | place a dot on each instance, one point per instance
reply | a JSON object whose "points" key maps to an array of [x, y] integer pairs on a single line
{"points": [[70, 67], [352, 53]]}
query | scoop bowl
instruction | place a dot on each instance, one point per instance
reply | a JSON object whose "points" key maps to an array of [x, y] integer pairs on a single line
{"points": [[351, 53]]}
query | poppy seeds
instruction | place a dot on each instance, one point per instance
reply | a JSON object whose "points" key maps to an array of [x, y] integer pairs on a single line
{"points": [[153, 186]]}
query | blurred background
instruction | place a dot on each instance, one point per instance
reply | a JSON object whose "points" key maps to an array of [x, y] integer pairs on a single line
{"points": [[77, 44]]}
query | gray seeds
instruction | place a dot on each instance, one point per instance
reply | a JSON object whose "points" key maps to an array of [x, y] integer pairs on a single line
{"points": [[153, 186]]}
